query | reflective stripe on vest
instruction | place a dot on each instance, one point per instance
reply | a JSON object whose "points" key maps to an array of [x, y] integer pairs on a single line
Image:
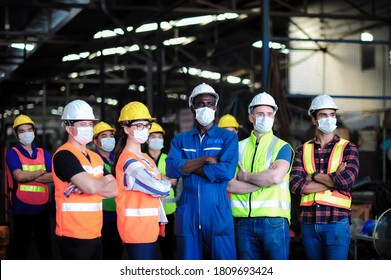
{"points": [[29, 188], [329, 198], [79, 215], [81, 207], [270, 201], [34, 167], [33, 192], [144, 212], [136, 222]]}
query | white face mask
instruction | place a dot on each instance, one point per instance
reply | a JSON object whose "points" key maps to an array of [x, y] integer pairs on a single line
{"points": [[156, 144], [263, 124], [84, 135], [205, 115], [140, 136], [26, 138], [108, 144], [327, 125]]}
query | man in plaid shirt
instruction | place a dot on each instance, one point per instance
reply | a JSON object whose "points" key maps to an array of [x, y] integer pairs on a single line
{"points": [[323, 173]]}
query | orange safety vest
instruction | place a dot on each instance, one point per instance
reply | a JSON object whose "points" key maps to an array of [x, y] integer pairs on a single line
{"points": [[79, 215], [33, 193], [137, 212], [331, 198]]}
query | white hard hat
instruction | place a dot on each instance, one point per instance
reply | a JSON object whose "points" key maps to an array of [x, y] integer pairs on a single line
{"points": [[262, 99], [202, 89], [78, 110], [322, 101]]}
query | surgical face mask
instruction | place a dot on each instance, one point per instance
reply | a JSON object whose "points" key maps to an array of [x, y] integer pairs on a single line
{"points": [[26, 138], [140, 136], [263, 124], [205, 115], [84, 135], [108, 144], [327, 125], [156, 144]]}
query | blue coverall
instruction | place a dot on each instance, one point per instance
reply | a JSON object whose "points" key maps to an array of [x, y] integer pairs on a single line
{"points": [[204, 218]]}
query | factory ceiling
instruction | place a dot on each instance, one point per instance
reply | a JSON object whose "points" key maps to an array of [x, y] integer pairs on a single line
{"points": [[72, 56]]}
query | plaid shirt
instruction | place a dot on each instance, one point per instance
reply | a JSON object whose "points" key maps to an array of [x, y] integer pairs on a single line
{"points": [[343, 181]]}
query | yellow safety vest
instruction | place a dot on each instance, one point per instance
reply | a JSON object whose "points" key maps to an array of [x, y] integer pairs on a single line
{"points": [[169, 203], [331, 198], [271, 201]]}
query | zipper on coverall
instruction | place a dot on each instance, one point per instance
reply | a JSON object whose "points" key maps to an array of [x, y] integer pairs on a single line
{"points": [[251, 170]]}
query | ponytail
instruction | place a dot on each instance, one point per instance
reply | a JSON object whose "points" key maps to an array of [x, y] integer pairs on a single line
{"points": [[122, 136]]}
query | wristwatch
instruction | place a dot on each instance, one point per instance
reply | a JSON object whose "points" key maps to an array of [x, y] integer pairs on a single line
{"points": [[313, 176]]}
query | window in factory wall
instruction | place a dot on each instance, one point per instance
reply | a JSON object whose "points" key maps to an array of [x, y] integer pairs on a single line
{"points": [[367, 52]]}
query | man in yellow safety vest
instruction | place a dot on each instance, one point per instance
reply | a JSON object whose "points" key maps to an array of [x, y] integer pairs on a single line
{"points": [[260, 197], [323, 173]]}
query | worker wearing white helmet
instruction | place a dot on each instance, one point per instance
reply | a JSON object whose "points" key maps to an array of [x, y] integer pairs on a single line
{"points": [[323, 173], [29, 171], [260, 197], [205, 158], [80, 183]]}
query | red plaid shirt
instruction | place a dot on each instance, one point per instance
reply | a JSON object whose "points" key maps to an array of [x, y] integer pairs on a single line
{"points": [[343, 181]]}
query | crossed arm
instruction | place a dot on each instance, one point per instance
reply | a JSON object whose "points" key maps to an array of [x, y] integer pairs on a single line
{"points": [[246, 182]]}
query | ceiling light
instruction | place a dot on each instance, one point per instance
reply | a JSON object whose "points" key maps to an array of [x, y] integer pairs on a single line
{"points": [[179, 41], [70, 57], [21, 46], [366, 36], [233, 80], [147, 27], [195, 20]]}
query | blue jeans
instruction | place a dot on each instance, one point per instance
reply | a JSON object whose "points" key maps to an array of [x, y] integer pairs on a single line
{"points": [[262, 238], [142, 251], [326, 241]]}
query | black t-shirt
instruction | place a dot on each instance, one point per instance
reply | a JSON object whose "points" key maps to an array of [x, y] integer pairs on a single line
{"points": [[66, 165]]}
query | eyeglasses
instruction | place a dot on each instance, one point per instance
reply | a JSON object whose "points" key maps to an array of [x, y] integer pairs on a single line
{"points": [[141, 126]]}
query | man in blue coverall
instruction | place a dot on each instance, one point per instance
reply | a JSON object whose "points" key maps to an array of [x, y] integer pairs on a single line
{"points": [[206, 158]]}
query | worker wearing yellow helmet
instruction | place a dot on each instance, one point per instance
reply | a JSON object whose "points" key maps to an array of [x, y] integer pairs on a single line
{"points": [[104, 142], [229, 122], [155, 144], [141, 187], [29, 170], [80, 183]]}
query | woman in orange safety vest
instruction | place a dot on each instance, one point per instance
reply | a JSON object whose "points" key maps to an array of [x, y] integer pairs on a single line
{"points": [[140, 212]]}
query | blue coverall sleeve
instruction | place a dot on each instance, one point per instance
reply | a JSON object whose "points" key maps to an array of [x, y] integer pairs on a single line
{"points": [[13, 160], [225, 169], [175, 160]]}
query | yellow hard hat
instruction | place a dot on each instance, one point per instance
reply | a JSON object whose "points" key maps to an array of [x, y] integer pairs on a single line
{"points": [[102, 126], [22, 119], [156, 128], [228, 121], [134, 111]]}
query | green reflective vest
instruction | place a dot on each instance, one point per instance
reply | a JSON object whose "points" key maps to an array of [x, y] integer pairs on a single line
{"points": [[169, 203], [270, 201], [108, 204]]}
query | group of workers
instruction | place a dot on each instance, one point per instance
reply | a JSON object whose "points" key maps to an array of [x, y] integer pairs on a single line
{"points": [[236, 195]]}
